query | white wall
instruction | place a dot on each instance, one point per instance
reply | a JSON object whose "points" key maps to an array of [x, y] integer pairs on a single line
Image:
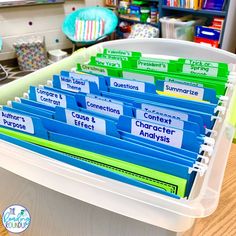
{"points": [[46, 20]]}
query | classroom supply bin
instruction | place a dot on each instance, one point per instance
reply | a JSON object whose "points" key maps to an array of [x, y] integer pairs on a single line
{"points": [[179, 28], [64, 200]]}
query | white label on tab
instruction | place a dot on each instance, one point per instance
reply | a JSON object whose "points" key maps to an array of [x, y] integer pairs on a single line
{"points": [[16, 121], [201, 63], [118, 52], [159, 119], [104, 107], [157, 133], [94, 69], [200, 70], [85, 121], [165, 112], [184, 90], [50, 98], [152, 65], [74, 85], [105, 99], [138, 77], [173, 80], [108, 62], [86, 77], [127, 84]]}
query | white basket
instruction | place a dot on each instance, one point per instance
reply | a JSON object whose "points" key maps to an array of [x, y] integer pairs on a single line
{"points": [[169, 214]]}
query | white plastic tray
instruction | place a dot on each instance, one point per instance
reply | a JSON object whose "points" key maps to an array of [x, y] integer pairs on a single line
{"points": [[149, 207]]}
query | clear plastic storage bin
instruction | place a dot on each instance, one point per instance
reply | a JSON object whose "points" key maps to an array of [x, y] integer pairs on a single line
{"points": [[181, 28], [64, 200]]}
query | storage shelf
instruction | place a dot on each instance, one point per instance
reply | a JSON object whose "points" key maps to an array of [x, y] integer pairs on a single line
{"points": [[137, 21], [206, 12]]}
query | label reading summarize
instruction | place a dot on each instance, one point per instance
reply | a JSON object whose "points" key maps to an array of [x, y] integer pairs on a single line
{"points": [[201, 63], [108, 62], [118, 52], [16, 121], [164, 112], [86, 77], [104, 107], [127, 84], [74, 85], [152, 65], [183, 82], [184, 90], [157, 133], [94, 69], [200, 70], [138, 77], [85, 121], [159, 119], [50, 98]]}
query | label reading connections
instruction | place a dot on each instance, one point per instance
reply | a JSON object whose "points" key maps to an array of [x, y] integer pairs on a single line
{"points": [[74, 85], [157, 133], [184, 90], [94, 70], [200, 70], [50, 98], [107, 108], [159, 119], [16, 121], [127, 84], [152, 65], [85, 121], [138, 77], [165, 112], [86, 77], [173, 80]]}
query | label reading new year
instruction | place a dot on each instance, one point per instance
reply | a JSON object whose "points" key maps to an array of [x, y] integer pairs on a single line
{"points": [[94, 69], [107, 108], [118, 52], [138, 77], [200, 70], [173, 80], [157, 133], [201, 63], [85, 121], [86, 77], [184, 90], [16, 121], [74, 85], [127, 84], [152, 65], [159, 119], [108, 62], [165, 112], [50, 98]]}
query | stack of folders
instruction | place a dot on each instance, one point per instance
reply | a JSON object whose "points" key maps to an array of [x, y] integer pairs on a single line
{"points": [[143, 121]]}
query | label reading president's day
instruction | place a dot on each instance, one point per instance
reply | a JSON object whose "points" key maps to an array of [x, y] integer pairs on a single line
{"points": [[164, 112], [85, 121], [159, 119], [127, 84], [152, 65], [74, 85], [16, 121], [104, 107], [50, 98], [184, 90], [200, 70], [157, 133]]}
